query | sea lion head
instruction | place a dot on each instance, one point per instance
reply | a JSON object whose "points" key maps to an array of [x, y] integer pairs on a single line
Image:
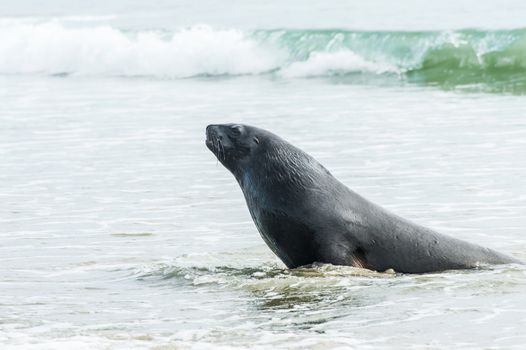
{"points": [[233, 144]]}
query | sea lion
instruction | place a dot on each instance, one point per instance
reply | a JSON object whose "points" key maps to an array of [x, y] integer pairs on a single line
{"points": [[306, 215]]}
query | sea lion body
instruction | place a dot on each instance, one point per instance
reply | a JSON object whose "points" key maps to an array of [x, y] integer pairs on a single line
{"points": [[306, 215]]}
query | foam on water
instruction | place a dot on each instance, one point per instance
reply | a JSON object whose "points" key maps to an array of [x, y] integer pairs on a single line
{"points": [[51, 48], [120, 231], [334, 63]]}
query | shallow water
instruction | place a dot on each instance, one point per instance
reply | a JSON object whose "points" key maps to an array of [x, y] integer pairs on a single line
{"points": [[120, 230]]}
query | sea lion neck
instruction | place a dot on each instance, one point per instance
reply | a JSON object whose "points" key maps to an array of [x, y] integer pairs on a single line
{"points": [[280, 164]]}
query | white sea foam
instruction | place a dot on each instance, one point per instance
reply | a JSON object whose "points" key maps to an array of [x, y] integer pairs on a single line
{"points": [[52, 48], [334, 63]]}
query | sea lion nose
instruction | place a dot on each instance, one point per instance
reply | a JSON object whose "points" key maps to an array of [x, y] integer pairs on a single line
{"points": [[210, 130]]}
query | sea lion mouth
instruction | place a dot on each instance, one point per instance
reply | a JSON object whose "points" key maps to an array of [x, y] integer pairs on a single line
{"points": [[210, 144], [213, 142], [210, 138]]}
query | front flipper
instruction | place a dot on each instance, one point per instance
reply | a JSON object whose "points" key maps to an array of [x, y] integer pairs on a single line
{"points": [[342, 253], [359, 259]]}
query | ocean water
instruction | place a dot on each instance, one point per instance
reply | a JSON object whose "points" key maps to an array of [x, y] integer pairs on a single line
{"points": [[120, 230]]}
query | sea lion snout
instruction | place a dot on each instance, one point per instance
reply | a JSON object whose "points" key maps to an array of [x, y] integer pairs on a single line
{"points": [[213, 137], [232, 143], [211, 132], [224, 132], [218, 132], [220, 140]]}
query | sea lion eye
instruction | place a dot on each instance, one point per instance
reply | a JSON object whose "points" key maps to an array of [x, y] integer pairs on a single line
{"points": [[236, 130]]}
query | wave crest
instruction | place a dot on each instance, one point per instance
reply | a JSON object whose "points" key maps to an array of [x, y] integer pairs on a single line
{"points": [[51, 48], [496, 59], [333, 64]]}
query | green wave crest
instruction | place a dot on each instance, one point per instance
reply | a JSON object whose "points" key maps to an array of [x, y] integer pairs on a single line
{"points": [[493, 61]]}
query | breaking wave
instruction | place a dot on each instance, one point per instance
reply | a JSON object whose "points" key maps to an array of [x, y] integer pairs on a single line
{"points": [[496, 59]]}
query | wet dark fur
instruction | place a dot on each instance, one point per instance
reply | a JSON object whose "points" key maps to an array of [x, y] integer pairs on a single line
{"points": [[306, 215]]}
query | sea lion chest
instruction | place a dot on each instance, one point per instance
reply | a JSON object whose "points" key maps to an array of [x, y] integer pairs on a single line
{"points": [[290, 218]]}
